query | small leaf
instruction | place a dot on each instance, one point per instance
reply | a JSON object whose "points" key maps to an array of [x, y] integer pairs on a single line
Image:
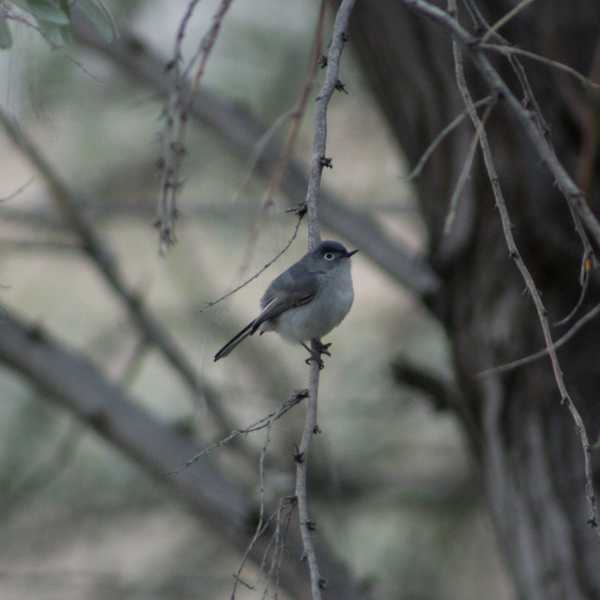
{"points": [[100, 17], [5, 34], [48, 11]]}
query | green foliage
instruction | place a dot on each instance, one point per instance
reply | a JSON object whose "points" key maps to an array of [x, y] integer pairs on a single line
{"points": [[53, 19]]}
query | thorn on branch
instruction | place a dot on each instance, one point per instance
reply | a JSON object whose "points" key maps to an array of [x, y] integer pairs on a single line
{"points": [[592, 523], [341, 87], [298, 456], [322, 583], [345, 37], [317, 430], [323, 61], [299, 210], [326, 161], [311, 525]]}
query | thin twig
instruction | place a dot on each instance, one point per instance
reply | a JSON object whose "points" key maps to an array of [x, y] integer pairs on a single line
{"points": [[295, 398], [526, 275], [300, 109], [261, 526], [208, 305], [561, 341], [296, 114], [588, 258], [261, 146], [508, 50], [466, 170], [441, 137], [505, 19], [18, 191], [178, 107], [317, 163]]}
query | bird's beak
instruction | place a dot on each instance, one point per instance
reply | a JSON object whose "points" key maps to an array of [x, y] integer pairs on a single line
{"points": [[349, 254]]}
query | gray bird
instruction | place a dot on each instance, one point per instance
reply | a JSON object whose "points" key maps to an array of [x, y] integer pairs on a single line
{"points": [[305, 302]]}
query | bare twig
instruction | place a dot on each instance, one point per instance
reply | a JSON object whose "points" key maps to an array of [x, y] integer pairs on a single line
{"points": [[260, 526], [208, 305], [18, 191], [101, 256], [296, 114], [526, 275], [317, 163], [300, 109], [466, 170], [561, 341], [173, 136], [510, 50], [263, 422], [513, 12], [441, 137], [588, 258]]}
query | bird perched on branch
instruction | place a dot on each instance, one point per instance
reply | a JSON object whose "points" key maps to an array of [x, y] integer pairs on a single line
{"points": [[305, 302]]}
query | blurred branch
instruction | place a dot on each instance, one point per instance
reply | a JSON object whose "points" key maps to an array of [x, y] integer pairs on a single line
{"points": [[101, 256], [443, 395], [55, 461], [19, 190], [76, 384], [240, 131], [173, 136]]}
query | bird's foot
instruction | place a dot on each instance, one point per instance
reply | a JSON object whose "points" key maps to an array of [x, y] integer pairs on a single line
{"points": [[316, 354]]}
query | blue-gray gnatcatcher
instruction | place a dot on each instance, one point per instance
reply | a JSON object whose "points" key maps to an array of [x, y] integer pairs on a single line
{"points": [[307, 301]]}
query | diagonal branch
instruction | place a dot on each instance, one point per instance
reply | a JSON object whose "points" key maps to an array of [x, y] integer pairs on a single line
{"points": [[101, 256]]}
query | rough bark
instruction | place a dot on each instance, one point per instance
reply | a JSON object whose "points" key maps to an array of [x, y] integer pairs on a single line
{"points": [[530, 457]]}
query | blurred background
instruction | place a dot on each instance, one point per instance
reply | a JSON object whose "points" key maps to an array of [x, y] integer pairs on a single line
{"points": [[393, 487]]}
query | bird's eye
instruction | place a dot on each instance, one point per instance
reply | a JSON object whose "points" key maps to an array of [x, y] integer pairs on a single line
{"points": [[329, 256]]}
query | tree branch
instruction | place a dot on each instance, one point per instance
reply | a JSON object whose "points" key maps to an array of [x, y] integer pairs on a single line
{"points": [[515, 255], [240, 131], [317, 163]]}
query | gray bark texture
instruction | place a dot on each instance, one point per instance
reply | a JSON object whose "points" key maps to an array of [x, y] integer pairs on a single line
{"points": [[530, 457]]}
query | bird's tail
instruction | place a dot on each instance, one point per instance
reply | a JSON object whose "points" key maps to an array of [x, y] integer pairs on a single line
{"points": [[235, 340]]}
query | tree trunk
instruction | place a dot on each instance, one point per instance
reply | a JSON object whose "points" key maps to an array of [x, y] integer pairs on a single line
{"points": [[530, 456]]}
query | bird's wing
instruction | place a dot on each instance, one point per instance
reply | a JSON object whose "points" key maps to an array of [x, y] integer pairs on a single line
{"points": [[293, 288]]}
